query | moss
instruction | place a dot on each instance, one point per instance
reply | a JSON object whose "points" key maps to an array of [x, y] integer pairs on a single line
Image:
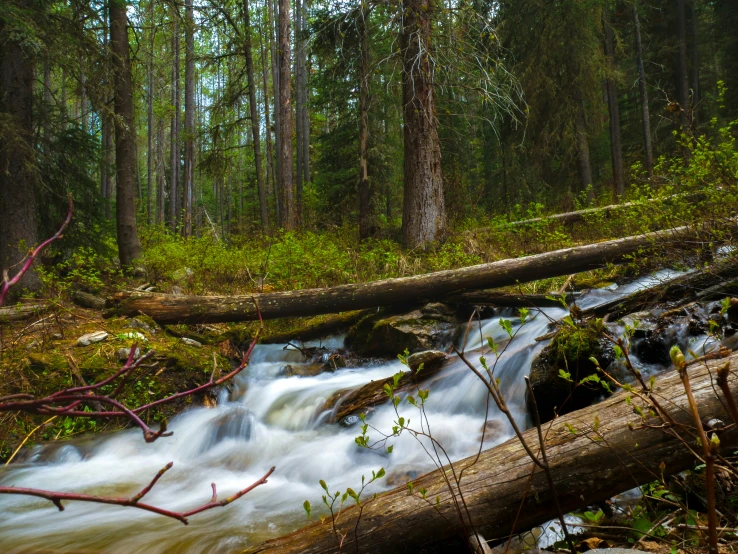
{"points": [[574, 346]]}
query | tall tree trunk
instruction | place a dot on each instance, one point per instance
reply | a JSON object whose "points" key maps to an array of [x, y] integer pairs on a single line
{"points": [[189, 153], [695, 69], [17, 178], [129, 248], [150, 120], [273, 39], [365, 214], [681, 75], [645, 113], [160, 172], [268, 135], [616, 150], [424, 212], [305, 98], [84, 112], [253, 108], [583, 164], [174, 181], [47, 101], [298, 113], [289, 217]]}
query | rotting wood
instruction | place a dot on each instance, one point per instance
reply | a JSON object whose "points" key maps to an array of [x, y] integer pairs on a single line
{"points": [[590, 463], [201, 309]]}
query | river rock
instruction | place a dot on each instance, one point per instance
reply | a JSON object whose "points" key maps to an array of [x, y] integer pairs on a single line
{"points": [[123, 354], [570, 350], [429, 359], [90, 338], [302, 370], [191, 342], [642, 323], [419, 330], [349, 421], [137, 323]]}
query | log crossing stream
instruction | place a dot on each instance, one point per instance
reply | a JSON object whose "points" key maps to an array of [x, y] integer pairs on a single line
{"points": [[267, 420]]}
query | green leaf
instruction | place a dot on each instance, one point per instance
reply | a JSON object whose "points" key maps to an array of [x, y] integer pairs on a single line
{"points": [[565, 375], [507, 326], [380, 473], [323, 484], [306, 506]]}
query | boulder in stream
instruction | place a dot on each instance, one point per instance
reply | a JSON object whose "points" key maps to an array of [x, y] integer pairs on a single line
{"points": [[386, 337], [570, 351]]}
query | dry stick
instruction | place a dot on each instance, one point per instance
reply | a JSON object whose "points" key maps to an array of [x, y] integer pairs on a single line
{"points": [[546, 467], [708, 449], [28, 436], [57, 497]]}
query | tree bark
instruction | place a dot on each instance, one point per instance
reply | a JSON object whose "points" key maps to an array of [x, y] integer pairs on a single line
{"points": [[289, 217], [174, 169], [273, 26], [695, 68], [129, 248], [10, 314], [583, 164], [616, 149], [253, 109], [150, 120], [424, 211], [17, 177], [681, 74], [202, 309], [189, 131], [365, 212], [298, 113], [645, 113], [270, 180], [589, 464]]}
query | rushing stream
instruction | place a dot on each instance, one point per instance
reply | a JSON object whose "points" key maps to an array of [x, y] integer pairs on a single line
{"points": [[267, 421]]}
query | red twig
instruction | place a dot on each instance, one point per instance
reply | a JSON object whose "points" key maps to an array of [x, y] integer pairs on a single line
{"points": [[134, 502], [31, 257]]}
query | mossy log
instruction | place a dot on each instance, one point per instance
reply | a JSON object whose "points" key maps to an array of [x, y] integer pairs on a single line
{"points": [[201, 309], [594, 453]]}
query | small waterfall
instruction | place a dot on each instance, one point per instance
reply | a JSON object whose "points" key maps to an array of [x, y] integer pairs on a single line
{"points": [[269, 420]]}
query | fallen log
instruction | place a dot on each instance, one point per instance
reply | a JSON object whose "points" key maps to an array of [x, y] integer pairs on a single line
{"points": [[509, 300], [593, 453], [604, 211], [698, 285], [211, 309], [9, 314]]}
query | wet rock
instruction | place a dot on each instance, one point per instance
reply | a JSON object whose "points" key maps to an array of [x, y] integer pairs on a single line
{"points": [[428, 358], [237, 423], [302, 370], [570, 351], [642, 323], [191, 342], [493, 429], [402, 475], [415, 332], [349, 421], [90, 338]]}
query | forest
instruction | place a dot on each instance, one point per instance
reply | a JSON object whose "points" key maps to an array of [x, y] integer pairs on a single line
{"points": [[398, 276]]}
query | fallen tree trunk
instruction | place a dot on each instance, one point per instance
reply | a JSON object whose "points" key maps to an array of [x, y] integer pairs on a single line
{"points": [[211, 309], [707, 284], [593, 453], [509, 300], [604, 211], [9, 314]]}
